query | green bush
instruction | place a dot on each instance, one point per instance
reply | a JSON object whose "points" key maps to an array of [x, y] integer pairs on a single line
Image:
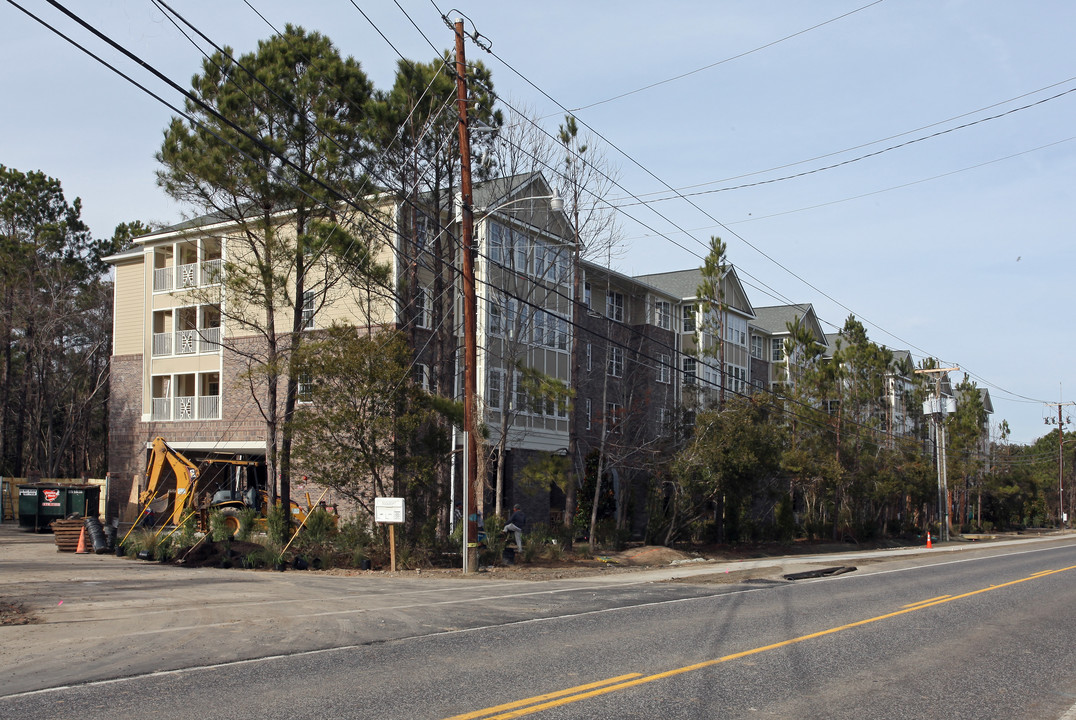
{"points": [[247, 519], [218, 529], [320, 526], [184, 537], [139, 540], [276, 524]]}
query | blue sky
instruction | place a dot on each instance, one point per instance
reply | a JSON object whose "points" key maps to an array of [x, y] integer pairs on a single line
{"points": [[956, 246]]}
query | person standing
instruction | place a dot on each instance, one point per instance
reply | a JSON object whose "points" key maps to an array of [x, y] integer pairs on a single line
{"points": [[515, 525]]}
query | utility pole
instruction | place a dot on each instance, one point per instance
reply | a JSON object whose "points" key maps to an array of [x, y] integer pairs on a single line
{"points": [[937, 413], [472, 491], [1061, 422]]}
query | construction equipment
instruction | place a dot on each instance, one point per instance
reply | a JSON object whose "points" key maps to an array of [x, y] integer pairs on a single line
{"points": [[178, 489]]}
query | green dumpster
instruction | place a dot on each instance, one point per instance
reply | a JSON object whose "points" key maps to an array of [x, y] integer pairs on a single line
{"points": [[41, 503]]}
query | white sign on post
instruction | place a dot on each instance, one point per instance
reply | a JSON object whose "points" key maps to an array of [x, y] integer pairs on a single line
{"points": [[388, 510]]}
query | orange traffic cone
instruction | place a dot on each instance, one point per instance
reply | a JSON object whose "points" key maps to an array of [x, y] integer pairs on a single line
{"points": [[82, 542], [929, 544]]}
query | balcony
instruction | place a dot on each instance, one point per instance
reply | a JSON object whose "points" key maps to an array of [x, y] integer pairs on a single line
{"points": [[187, 342], [188, 275], [163, 279], [185, 408]]}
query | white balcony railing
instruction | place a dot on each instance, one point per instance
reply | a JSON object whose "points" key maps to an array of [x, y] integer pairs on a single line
{"points": [[184, 408], [186, 342], [187, 275], [162, 344], [211, 271], [162, 279], [210, 340], [187, 407], [162, 409], [209, 407]]}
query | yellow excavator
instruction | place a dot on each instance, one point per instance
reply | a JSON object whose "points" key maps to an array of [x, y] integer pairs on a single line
{"points": [[177, 489]]}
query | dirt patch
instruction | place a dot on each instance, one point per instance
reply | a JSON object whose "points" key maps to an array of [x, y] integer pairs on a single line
{"points": [[219, 554], [15, 614]]}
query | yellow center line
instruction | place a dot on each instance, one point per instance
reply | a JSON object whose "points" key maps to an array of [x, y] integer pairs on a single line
{"points": [[923, 602], [613, 684], [540, 698]]}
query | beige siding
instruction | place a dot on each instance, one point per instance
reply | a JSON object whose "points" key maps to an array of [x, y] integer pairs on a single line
{"points": [[130, 298]]}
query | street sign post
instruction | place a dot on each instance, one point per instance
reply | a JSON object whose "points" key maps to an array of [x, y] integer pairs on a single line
{"points": [[390, 511]]}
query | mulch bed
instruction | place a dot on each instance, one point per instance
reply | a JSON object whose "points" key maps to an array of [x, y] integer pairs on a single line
{"points": [[216, 554]]}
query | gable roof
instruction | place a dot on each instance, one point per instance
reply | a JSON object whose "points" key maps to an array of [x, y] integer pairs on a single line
{"points": [[775, 319], [684, 284]]}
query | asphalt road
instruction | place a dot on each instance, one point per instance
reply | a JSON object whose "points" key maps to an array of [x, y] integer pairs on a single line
{"points": [[985, 633]]}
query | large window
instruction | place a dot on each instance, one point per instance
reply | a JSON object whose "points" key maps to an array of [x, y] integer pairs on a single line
{"points": [[616, 362], [614, 414], [777, 350], [689, 371], [689, 318], [664, 369], [663, 314], [614, 306], [494, 389], [422, 308], [736, 330], [756, 347], [737, 379], [308, 310]]}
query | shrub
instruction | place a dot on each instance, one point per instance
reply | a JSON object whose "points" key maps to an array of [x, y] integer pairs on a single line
{"points": [[185, 535], [319, 527], [276, 525], [218, 529], [247, 519], [139, 540]]}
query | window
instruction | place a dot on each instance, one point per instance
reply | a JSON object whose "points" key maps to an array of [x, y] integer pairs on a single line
{"points": [[777, 350], [422, 233], [587, 412], [586, 295], [420, 373], [590, 364], [520, 394], [737, 379], [664, 424], [496, 320], [689, 371], [305, 389], [422, 308], [308, 310], [496, 243], [616, 362], [614, 306], [663, 314], [494, 389], [736, 330], [614, 413], [756, 347], [689, 318], [664, 369]]}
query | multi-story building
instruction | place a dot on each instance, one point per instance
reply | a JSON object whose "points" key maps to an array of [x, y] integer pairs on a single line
{"points": [[702, 351], [627, 394], [180, 366], [774, 357]]}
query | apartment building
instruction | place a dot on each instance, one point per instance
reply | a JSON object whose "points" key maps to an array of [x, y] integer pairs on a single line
{"points": [[182, 352], [701, 356]]}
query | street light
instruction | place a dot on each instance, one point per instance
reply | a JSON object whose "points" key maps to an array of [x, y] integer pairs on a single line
{"points": [[556, 204]]}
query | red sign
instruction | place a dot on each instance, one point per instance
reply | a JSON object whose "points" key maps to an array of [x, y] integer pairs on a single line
{"points": [[51, 495]]}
